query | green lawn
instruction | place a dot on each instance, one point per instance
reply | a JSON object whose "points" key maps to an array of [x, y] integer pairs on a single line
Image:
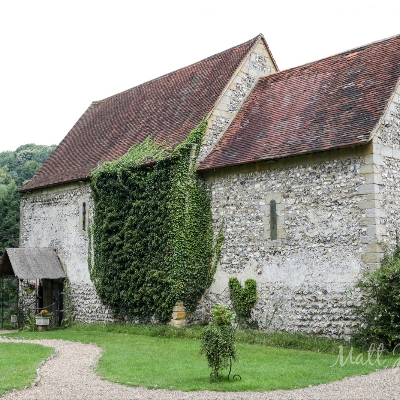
{"points": [[18, 364], [152, 357]]}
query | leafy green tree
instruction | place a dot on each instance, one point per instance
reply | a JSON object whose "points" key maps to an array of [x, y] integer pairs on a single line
{"points": [[27, 170], [16, 167], [9, 216], [5, 177]]}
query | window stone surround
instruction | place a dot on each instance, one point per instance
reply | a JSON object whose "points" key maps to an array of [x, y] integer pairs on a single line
{"points": [[280, 211]]}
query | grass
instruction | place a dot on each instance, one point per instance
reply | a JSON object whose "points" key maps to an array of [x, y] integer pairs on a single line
{"points": [[166, 357], [18, 364]]}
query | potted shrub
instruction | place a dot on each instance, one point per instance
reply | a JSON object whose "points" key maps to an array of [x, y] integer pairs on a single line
{"points": [[43, 320]]}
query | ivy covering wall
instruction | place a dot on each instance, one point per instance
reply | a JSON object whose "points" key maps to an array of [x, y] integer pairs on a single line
{"points": [[153, 241]]}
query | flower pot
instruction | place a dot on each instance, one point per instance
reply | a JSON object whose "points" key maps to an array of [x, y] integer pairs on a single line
{"points": [[42, 321], [13, 319]]}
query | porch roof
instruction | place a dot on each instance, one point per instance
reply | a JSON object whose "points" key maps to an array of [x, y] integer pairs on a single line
{"points": [[31, 263]]}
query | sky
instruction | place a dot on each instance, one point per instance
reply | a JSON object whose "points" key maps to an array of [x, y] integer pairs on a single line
{"points": [[59, 56]]}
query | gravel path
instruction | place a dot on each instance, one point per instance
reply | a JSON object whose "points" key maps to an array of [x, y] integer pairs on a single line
{"points": [[69, 374]]}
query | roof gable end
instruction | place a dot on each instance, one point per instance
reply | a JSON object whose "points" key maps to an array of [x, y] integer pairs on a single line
{"points": [[167, 108], [331, 103], [257, 63]]}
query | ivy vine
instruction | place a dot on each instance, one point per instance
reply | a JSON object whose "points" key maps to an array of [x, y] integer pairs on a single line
{"points": [[153, 241], [68, 307]]}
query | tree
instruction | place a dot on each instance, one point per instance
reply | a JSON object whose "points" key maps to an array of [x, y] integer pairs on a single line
{"points": [[218, 340], [16, 167], [9, 216]]}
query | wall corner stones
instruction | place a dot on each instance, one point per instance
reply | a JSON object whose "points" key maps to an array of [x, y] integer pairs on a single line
{"points": [[373, 232], [178, 319], [386, 146]]}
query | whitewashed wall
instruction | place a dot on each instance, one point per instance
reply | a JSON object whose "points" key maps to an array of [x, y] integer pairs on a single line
{"points": [[53, 218]]}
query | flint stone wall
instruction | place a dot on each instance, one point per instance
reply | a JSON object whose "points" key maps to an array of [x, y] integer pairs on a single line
{"points": [[334, 208], [387, 146], [305, 278], [53, 218]]}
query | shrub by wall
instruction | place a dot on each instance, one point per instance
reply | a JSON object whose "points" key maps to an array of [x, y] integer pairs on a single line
{"points": [[243, 300], [380, 310]]}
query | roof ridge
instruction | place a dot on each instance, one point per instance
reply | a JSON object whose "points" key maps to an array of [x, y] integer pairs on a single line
{"points": [[96, 102], [335, 55], [169, 106]]}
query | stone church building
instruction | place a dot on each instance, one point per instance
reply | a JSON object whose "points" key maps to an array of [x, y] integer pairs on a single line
{"points": [[303, 166]]}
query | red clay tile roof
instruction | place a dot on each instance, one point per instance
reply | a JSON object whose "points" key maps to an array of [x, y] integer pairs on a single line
{"points": [[331, 103], [167, 108]]}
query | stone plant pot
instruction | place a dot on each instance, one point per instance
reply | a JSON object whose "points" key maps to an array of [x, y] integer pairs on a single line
{"points": [[42, 323]]}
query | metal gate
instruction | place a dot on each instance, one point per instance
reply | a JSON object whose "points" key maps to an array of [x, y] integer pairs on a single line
{"points": [[22, 298], [9, 286]]}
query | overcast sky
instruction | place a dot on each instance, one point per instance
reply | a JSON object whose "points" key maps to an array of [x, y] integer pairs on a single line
{"points": [[57, 57]]}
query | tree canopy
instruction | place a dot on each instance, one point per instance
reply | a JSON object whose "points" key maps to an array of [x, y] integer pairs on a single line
{"points": [[16, 167]]}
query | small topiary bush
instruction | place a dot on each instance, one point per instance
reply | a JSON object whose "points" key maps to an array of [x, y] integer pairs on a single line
{"points": [[380, 311], [243, 300], [218, 340]]}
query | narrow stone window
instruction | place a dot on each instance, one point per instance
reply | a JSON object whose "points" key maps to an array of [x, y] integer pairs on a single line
{"points": [[273, 223], [84, 216], [274, 219]]}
